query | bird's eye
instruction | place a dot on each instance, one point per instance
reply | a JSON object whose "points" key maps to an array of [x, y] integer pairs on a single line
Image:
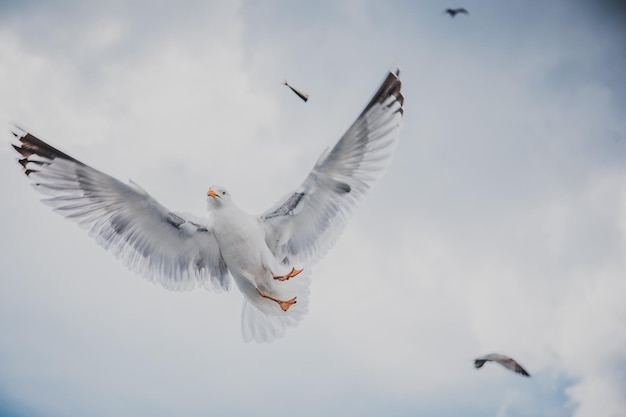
{"points": [[223, 192]]}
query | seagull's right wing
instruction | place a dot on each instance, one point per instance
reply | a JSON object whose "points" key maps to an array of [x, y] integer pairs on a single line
{"points": [[303, 226], [163, 246]]}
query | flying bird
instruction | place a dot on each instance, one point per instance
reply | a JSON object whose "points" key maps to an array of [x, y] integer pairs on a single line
{"points": [[268, 255], [502, 360], [454, 12], [300, 94]]}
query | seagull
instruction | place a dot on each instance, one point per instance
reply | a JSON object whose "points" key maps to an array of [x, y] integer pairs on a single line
{"points": [[502, 360], [454, 12], [268, 255], [300, 94]]}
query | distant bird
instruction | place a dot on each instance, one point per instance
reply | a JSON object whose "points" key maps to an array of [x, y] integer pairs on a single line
{"points": [[502, 360], [300, 94], [454, 12]]}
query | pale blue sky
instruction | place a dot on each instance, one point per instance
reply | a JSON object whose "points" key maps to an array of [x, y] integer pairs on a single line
{"points": [[499, 227]]}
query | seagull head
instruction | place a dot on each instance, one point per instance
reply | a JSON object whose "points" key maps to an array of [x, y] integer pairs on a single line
{"points": [[217, 197]]}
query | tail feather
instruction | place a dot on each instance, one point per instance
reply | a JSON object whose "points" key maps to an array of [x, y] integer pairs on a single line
{"points": [[263, 320]]}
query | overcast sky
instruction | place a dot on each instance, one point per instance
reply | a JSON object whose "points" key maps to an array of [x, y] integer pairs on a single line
{"points": [[499, 227]]}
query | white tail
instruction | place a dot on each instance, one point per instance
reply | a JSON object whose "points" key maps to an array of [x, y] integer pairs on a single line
{"points": [[262, 320]]}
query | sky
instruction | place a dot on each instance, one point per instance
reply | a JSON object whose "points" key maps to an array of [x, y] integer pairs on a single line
{"points": [[500, 225]]}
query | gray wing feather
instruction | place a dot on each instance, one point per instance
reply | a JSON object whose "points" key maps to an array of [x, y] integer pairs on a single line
{"points": [[302, 227], [165, 247]]}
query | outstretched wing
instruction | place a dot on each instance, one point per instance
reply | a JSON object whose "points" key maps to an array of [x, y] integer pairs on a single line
{"points": [[165, 247], [512, 364], [303, 227]]}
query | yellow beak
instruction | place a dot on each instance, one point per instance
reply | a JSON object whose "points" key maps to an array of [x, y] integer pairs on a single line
{"points": [[212, 193]]}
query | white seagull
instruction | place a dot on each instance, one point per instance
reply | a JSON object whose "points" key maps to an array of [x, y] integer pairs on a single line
{"points": [[503, 360], [267, 255]]}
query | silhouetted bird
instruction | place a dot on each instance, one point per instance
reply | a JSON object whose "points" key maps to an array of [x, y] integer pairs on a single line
{"points": [[454, 12], [502, 360], [300, 94]]}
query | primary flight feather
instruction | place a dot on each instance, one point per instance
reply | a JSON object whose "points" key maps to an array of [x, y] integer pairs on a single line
{"points": [[267, 255]]}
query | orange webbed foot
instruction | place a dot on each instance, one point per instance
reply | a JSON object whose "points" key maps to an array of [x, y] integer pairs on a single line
{"points": [[294, 272], [284, 305]]}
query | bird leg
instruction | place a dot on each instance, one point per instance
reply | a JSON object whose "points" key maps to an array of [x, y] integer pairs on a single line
{"points": [[291, 274], [283, 304]]}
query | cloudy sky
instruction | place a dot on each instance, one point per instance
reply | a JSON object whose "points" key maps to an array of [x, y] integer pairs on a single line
{"points": [[499, 227]]}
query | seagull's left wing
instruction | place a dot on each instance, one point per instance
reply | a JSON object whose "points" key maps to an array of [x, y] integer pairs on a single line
{"points": [[301, 228]]}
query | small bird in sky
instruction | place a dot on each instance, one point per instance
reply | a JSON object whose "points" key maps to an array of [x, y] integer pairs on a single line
{"points": [[454, 12], [502, 360], [300, 94]]}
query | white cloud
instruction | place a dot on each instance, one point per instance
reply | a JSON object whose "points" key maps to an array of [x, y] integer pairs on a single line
{"points": [[501, 225]]}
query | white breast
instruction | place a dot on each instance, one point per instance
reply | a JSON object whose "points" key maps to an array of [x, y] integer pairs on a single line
{"points": [[241, 241]]}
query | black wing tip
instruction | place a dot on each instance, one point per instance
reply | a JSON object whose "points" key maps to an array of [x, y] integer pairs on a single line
{"points": [[391, 87], [25, 152], [31, 145], [397, 86]]}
